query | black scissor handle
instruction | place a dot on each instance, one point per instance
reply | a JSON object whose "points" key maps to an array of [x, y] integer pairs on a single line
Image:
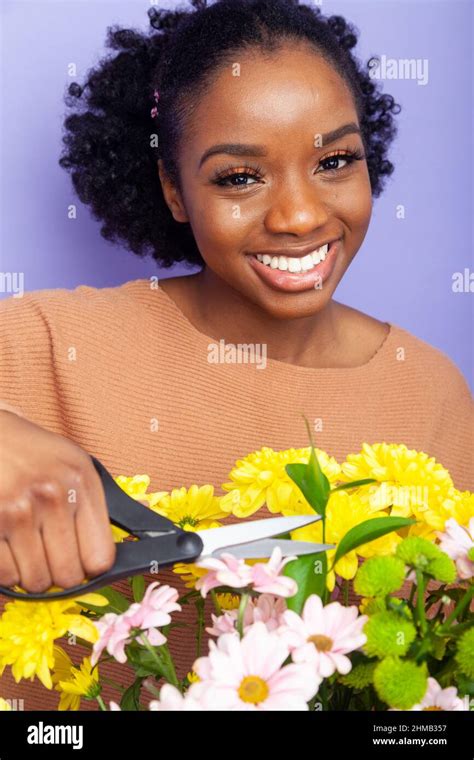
{"points": [[126, 512], [132, 557]]}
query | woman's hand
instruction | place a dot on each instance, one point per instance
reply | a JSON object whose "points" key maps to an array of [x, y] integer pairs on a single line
{"points": [[54, 524]]}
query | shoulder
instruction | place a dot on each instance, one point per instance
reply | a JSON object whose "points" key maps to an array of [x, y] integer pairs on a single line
{"points": [[84, 301], [408, 358], [430, 365]]}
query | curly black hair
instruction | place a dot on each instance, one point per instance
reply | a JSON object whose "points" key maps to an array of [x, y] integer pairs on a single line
{"points": [[112, 143]]}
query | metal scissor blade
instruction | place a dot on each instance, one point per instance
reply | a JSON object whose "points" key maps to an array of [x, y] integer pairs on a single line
{"points": [[265, 547], [230, 536]]}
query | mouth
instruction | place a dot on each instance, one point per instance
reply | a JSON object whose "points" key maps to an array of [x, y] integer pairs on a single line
{"points": [[295, 272]]}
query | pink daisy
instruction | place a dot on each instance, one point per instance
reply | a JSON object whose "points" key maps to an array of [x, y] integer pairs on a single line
{"points": [[267, 578], [172, 700], [115, 631], [457, 541], [437, 698], [266, 608], [225, 571], [323, 636], [248, 674]]}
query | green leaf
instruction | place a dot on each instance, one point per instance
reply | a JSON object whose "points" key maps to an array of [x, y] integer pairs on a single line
{"points": [[143, 661], [118, 603], [354, 484], [310, 479], [131, 697], [138, 587], [368, 531], [311, 579]]}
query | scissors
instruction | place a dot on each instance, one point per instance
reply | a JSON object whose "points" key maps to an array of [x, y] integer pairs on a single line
{"points": [[164, 543]]}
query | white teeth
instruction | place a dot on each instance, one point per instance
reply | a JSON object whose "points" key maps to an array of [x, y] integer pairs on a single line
{"points": [[307, 262], [295, 263]]}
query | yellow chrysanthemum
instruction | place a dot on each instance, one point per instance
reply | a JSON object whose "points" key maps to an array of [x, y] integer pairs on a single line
{"points": [[261, 478], [345, 511], [228, 601], [74, 682], [189, 573], [458, 504], [4, 705], [28, 631], [410, 483], [191, 509]]}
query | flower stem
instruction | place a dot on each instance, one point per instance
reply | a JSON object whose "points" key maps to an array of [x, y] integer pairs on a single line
{"points": [[200, 612], [166, 668], [101, 703], [420, 601], [152, 689], [217, 606], [240, 617], [459, 608]]}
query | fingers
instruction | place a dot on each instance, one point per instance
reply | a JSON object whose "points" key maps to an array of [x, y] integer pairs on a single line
{"points": [[9, 573], [94, 533], [26, 546]]}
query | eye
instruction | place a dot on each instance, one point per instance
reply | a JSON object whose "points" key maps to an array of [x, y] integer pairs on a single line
{"points": [[339, 161], [333, 163], [236, 180], [229, 177]]}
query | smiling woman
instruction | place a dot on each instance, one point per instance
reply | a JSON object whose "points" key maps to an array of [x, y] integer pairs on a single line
{"points": [[244, 138]]}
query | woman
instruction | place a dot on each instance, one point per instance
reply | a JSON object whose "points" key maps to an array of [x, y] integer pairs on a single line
{"points": [[244, 138]]}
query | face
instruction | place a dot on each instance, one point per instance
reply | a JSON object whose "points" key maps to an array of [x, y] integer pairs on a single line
{"points": [[274, 182]]}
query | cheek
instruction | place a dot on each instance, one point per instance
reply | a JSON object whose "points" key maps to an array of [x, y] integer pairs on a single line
{"points": [[221, 226], [352, 203]]}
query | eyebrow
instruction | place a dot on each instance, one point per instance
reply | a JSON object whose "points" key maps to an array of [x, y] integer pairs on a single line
{"points": [[249, 149]]}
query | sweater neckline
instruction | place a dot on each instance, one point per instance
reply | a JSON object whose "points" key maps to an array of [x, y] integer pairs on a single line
{"points": [[375, 360]]}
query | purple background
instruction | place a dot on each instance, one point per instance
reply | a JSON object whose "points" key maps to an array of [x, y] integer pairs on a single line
{"points": [[402, 273]]}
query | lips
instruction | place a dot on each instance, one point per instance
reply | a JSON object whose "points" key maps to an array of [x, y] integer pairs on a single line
{"points": [[298, 252], [292, 281]]}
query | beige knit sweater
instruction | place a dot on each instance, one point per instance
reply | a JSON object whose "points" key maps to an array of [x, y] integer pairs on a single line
{"points": [[122, 372]]}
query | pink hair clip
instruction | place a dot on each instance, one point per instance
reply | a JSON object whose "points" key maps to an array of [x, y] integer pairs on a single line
{"points": [[154, 110]]}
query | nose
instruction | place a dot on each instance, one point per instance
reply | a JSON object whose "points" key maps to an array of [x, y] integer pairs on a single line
{"points": [[296, 208]]}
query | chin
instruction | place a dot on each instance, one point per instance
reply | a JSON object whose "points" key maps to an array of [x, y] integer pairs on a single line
{"points": [[292, 306]]}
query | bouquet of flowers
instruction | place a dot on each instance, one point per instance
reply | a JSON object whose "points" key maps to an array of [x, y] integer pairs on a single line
{"points": [[284, 635]]}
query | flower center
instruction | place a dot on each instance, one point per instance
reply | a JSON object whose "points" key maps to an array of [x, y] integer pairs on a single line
{"points": [[433, 709], [253, 689], [321, 642], [188, 521]]}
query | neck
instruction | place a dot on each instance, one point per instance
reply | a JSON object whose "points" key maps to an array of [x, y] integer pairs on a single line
{"points": [[221, 312]]}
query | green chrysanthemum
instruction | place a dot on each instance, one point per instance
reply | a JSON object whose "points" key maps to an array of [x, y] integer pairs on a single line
{"points": [[370, 606], [379, 576], [465, 653], [423, 555], [417, 551], [388, 634], [400, 606], [400, 683], [360, 677], [443, 569]]}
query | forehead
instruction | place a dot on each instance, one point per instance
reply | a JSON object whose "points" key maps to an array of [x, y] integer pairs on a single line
{"points": [[278, 94]]}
